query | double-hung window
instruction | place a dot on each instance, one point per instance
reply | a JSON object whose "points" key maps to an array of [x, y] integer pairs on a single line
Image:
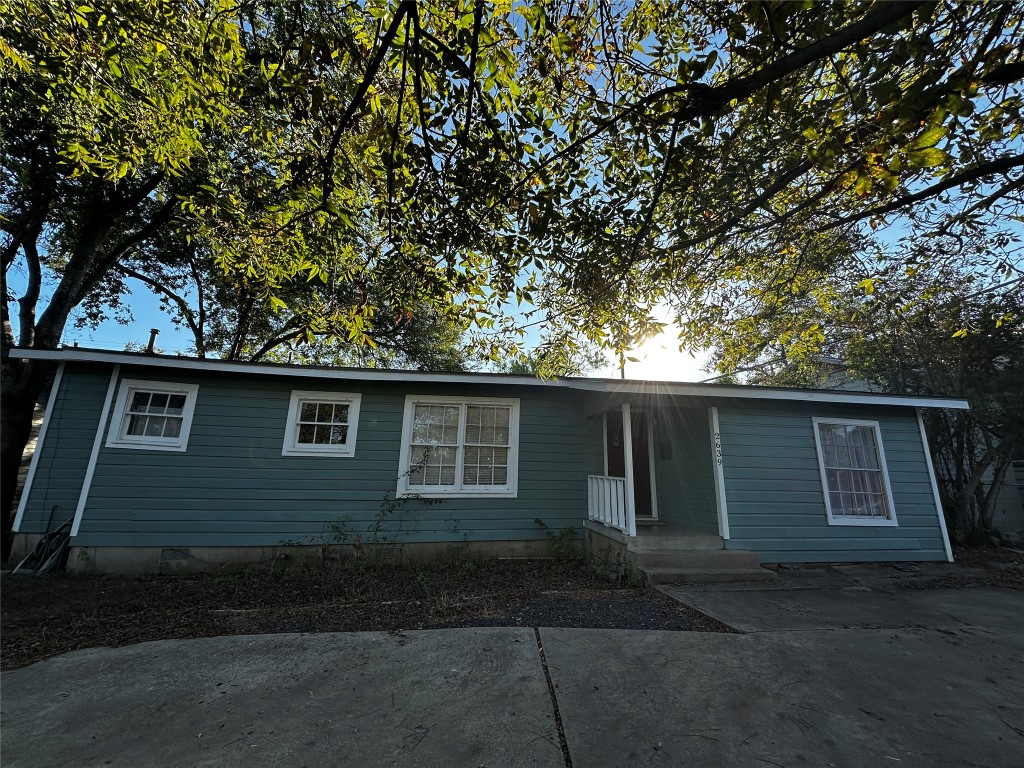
{"points": [[853, 472], [152, 415], [321, 424], [459, 447]]}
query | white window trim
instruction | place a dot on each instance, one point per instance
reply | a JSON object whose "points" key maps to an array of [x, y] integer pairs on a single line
{"points": [[291, 433], [890, 505], [116, 437], [508, 491]]}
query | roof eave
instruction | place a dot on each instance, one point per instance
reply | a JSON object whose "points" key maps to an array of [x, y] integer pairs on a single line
{"points": [[610, 386]]}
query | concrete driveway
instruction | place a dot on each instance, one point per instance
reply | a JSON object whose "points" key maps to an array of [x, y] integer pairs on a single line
{"points": [[832, 670]]}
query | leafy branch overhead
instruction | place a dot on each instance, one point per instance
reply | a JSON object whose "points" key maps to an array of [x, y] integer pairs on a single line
{"points": [[624, 151]]}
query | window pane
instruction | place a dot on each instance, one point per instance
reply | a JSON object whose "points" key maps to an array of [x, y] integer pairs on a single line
{"points": [[473, 424], [176, 405], [139, 401], [341, 413], [878, 505], [451, 425], [487, 420], [339, 434], [470, 474], [420, 424], [307, 412], [155, 426], [501, 435], [435, 425], [158, 403], [873, 482], [436, 465], [173, 428], [307, 433], [869, 451], [137, 425], [435, 432]]}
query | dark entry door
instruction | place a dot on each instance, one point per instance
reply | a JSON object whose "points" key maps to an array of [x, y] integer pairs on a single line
{"points": [[642, 491]]}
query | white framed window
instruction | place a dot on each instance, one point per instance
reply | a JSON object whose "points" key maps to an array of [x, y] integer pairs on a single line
{"points": [[321, 424], [455, 446], [152, 415], [854, 476]]}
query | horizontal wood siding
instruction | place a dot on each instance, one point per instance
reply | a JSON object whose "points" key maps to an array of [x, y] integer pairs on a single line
{"points": [[66, 447], [775, 496], [685, 476], [232, 487]]}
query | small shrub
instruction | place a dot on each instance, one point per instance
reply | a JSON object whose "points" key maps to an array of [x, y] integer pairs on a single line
{"points": [[563, 543]]}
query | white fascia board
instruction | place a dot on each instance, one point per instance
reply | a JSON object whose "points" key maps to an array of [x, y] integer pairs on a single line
{"points": [[265, 369], [609, 386], [637, 387]]}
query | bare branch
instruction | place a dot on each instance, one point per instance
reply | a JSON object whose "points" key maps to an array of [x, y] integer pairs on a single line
{"points": [[161, 288], [405, 7], [27, 303]]}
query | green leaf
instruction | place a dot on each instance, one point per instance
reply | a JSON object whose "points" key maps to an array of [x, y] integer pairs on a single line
{"points": [[927, 158]]}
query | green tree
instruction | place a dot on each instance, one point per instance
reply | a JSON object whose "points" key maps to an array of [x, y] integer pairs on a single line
{"points": [[920, 324], [558, 357]]}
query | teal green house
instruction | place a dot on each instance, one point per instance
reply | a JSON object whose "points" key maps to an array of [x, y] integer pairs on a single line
{"points": [[170, 462]]}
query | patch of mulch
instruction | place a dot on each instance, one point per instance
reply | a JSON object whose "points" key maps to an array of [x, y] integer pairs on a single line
{"points": [[988, 556], [987, 566], [45, 616]]}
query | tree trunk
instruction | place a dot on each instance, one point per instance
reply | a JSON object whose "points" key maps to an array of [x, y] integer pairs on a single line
{"points": [[21, 382]]}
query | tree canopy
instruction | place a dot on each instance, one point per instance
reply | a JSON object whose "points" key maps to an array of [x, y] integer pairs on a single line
{"points": [[621, 153]]}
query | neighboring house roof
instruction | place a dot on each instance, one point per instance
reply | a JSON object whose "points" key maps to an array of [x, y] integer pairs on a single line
{"points": [[609, 386]]}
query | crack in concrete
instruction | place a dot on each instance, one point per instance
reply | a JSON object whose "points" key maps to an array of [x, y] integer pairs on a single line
{"points": [[554, 701]]}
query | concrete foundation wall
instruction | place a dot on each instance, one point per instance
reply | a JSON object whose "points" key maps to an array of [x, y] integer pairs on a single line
{"points": [[197, 559], [23, 544], [606, 550]]}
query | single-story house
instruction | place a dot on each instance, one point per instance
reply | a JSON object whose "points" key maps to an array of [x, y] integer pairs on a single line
{"points": [[170, 462]]}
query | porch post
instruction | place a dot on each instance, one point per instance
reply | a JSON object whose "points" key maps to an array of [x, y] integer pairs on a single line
{"points": [[627, 449]]}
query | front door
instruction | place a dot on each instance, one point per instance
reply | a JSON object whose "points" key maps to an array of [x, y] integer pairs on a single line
{"points": [[641, 426]]}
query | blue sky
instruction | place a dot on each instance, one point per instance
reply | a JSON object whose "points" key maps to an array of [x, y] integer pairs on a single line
{"points": [[660, 358]]}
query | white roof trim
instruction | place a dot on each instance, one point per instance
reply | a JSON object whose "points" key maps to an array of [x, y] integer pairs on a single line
{"points": [[608, 386]]}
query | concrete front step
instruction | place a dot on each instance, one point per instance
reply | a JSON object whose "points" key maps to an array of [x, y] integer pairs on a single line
{"points": [[668, 575], [722, 559]]}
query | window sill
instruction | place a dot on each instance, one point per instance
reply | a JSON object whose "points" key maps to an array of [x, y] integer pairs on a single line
{"points": [[348, 453], [864, 521], [141, 446], [413, 494]]}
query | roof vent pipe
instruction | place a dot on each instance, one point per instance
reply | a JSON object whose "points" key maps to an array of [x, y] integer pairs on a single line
{"points": [[151, 347]]}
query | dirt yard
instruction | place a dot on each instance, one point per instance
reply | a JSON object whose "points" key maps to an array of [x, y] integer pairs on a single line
{"points": [[45, 616]]}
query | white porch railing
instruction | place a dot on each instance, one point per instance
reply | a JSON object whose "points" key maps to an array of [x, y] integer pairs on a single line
{"points": [[607, 503]]}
